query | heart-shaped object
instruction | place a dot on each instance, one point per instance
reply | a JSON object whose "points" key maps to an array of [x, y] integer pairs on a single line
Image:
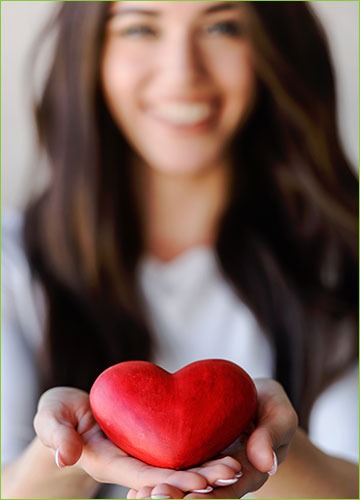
{"points": [[173, 420]]}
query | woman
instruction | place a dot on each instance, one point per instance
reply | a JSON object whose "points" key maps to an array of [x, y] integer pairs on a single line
{"points": [[200, 205]]}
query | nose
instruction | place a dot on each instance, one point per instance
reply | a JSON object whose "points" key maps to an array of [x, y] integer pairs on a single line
{"points": [[183, 64]]}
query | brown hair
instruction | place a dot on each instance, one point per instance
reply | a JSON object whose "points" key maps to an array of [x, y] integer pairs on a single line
{"points": [[287, 241]]}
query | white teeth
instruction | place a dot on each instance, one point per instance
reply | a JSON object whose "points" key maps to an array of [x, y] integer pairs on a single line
{"points": [[183, 114]]}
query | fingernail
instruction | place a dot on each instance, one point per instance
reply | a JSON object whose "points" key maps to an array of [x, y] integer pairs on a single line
{"points": [[239, 474], [58, 460], [275, 466], [226, 482], [160, 496], [205, 490]]}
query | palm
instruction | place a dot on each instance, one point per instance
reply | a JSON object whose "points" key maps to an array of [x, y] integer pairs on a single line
{"points": [[65, 421], [251, 480]]}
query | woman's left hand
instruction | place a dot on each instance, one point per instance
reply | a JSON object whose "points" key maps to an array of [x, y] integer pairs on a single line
{"points": [[259, 452]]}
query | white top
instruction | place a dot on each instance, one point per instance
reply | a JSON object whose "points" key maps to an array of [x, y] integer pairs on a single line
{"points": [[194, 314]]}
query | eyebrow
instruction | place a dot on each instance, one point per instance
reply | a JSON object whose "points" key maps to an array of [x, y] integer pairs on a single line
{"points": [[223, 6], [123, 11]]}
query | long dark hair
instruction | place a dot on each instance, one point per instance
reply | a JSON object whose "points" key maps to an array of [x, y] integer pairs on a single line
{"points": [[287, 240]]}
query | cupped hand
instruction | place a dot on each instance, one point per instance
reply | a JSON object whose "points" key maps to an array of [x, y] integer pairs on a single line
{"points": [[259, 451], [65, 424], [249, 479]]}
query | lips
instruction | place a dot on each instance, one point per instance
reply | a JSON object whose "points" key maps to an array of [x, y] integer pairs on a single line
{"points": [[183, 114]]}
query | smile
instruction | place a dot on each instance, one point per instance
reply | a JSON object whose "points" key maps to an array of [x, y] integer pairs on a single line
{"points": [[182, 114]]}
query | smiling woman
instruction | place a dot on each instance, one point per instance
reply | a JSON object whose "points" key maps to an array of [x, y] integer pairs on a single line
{"points": [[179, 75], [199, 206]]}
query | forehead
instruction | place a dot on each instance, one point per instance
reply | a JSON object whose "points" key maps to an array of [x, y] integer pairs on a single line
{"points": [[174, 8]]}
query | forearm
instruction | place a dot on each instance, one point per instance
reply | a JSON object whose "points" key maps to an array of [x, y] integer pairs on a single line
{"points": [[307, 472], [35, 475]]}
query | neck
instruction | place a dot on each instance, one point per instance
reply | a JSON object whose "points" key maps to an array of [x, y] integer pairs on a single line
{"points": [[182, 212]]}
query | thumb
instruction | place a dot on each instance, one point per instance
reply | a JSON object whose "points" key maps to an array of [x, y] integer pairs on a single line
{"points": [[56, 422], [259, 451], [276, 425]]}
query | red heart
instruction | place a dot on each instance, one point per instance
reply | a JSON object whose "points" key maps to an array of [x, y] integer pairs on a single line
{"points": [[173, 420]]}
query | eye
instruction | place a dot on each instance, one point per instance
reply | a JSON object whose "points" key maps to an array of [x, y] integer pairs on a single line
{"points": [[138, 31], [233, 29]]}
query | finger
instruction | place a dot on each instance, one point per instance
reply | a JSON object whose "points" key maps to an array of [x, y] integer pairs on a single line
{"points": [[218, 474], [166, 491], [187, 481], [216, 493], [229, 461], [58, 424], [183, 480], [199, 495], [276, 425], [275, 412], [62, 439], [144, 492], [131, 493], [260, 452], [133, 473]]}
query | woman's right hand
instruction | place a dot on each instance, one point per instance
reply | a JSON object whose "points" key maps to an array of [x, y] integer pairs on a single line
{"points": [[64, 423]]}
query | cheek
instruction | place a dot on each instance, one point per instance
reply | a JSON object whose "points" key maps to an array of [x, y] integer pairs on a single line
{"points": [[241, 96], [119, 80], [236, 76], [244, 88], [111, 84]]}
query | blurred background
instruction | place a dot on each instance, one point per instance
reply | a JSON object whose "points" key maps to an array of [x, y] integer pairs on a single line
{"points": [[22, 22]]}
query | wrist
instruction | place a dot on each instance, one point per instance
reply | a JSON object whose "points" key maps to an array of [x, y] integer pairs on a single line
{"points": [[308, 472], [35, 474]]}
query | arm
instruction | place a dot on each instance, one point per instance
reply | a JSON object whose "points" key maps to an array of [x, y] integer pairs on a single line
{"points": [[30, 470], [35, 475], [333, 426], [310, 473]]}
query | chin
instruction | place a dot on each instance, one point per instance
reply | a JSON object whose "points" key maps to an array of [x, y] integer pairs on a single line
{"points": [[182, 169], [190, 166]]}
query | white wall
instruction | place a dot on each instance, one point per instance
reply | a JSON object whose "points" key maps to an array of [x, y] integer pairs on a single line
{"points": [[21, 22], [341, 20]]}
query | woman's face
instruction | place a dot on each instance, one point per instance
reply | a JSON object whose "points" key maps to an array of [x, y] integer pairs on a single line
{"points": [[178, 80]]}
